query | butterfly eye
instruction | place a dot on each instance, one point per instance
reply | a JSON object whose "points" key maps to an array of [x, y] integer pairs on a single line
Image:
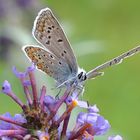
{"points": [[80, 75], [85, 77]]}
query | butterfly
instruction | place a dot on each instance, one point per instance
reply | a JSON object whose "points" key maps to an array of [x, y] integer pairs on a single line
{"points": [[56, 57]]}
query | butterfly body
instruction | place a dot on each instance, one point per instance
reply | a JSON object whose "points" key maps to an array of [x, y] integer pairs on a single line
{"points": [[56, 57], [77, 81]]}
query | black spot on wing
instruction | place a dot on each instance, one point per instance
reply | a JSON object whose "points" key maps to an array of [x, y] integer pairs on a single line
{"points": [[60, 40], [51, 56], [49, 28], [48, 42], [62, 54], [48, 31], [49, 37]]}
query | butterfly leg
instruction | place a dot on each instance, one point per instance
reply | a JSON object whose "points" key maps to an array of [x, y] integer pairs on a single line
{"points": [[79, 89], [57, 95]]}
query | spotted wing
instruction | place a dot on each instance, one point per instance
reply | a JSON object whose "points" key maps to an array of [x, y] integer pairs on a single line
{"points": [[48, 63], [49, 33], [96, 71]]}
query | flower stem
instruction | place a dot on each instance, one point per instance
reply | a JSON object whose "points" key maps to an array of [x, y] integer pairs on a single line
{"points": [[16, 99], [80, 132], [66, 113], [10, 121], [42, 95], [11, 132], [65, 125], [34, 89], [26, 91], [60, 102]]}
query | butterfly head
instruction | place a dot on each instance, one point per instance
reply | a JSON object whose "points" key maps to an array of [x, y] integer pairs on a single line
{"points": [[79, 81], [81, 77]]}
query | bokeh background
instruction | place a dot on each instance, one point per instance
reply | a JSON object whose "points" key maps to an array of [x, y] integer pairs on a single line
{"points": [[98, 31]]}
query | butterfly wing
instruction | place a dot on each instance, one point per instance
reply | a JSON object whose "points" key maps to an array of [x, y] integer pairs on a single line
{"points": [[48, 63], [96, 71], [49, 33]]}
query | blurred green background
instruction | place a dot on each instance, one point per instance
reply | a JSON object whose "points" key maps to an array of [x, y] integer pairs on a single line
{"points": [[98, 31]]}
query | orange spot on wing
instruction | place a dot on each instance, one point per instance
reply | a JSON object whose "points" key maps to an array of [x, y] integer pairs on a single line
{"points": [[40, 66]]}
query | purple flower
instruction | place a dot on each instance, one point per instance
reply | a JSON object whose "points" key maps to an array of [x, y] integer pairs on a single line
{"points": [[99, 125], [19, 74], [74, 97], [117, 137], [6, 138], [43, 136], [19, 118], [8, 125], [6, 88], [93, 109], [41, 117], [5, 125], [31, 68], [49, 100], [49, 103]]}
